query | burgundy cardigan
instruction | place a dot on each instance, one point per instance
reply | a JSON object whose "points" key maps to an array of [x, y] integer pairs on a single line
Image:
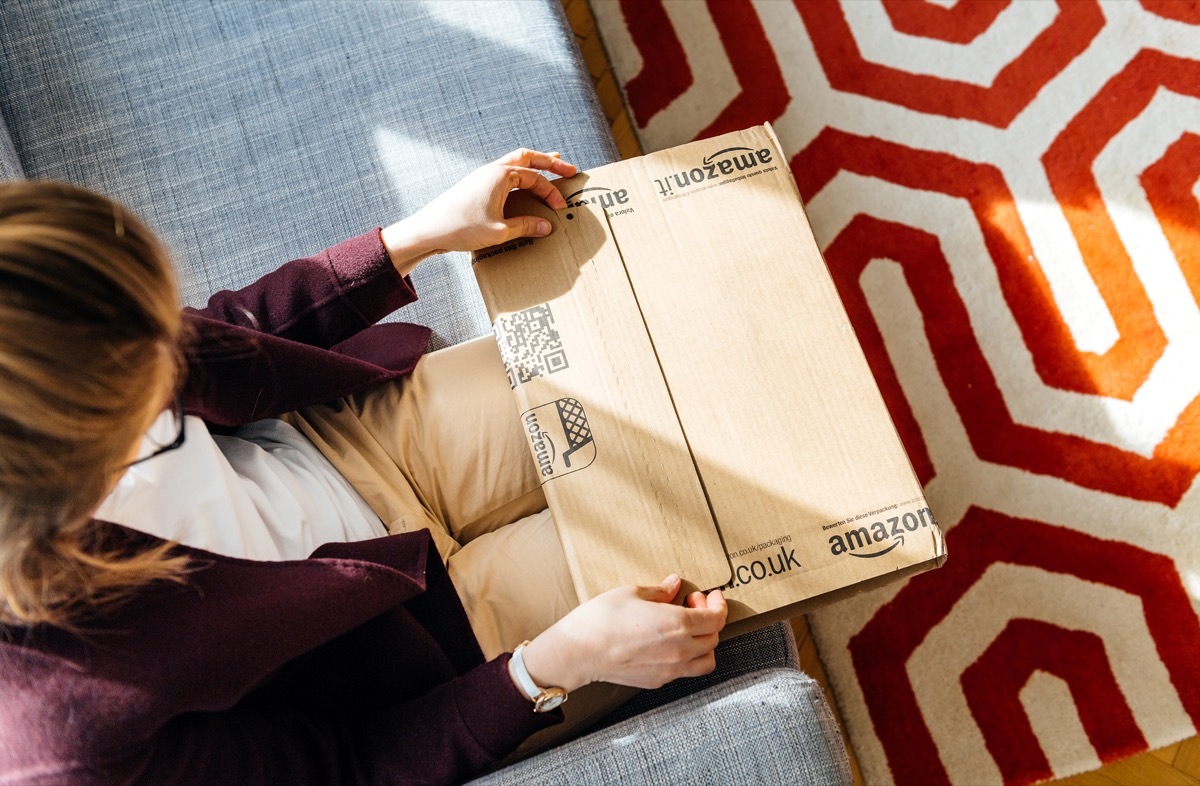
{"points": [[357, 665]]}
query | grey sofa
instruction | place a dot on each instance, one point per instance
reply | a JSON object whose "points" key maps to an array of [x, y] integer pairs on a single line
{"points": [[247, 132]]}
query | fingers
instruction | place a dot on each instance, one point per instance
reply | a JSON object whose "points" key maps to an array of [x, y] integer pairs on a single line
{"points": [[716, 602], [709, 618], [550, 162], [695, 657], [529, 180], [663, 592], [640, 637], [527, 226], [699, 666]]}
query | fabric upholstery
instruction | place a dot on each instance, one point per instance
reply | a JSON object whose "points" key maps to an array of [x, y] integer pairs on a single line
{"points": [[768, 726], [294, 124], [772, 646], [10, 164]]}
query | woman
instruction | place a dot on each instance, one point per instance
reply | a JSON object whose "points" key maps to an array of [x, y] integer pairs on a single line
{"points": [[162, 618]]}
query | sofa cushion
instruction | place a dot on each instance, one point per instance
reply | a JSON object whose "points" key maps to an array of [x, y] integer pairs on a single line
{"points": [[769, 647], [10, 165], [768, 726], [247, 133]]}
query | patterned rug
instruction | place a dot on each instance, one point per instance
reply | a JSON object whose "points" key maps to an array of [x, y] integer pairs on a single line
{"points": [[1008, 196]]}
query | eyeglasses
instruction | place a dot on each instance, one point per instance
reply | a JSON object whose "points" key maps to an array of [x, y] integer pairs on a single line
{"points": [[154, 445]]}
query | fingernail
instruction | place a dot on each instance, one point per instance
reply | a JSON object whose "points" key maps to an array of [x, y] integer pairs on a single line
{"points": [[556, 154], [671, 579], [542, 228]]}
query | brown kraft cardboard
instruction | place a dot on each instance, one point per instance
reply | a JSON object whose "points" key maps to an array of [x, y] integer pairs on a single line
{"points": [[695, 397]]}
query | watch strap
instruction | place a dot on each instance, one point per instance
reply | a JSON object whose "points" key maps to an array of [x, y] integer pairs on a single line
{"points": [[530, 688], [544, 699]]}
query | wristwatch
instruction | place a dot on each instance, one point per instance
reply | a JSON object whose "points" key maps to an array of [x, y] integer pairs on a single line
{"points": [[544, 699]]}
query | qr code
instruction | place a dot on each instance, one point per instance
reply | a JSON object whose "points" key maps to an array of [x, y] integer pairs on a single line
{"points": [[530, 345]]}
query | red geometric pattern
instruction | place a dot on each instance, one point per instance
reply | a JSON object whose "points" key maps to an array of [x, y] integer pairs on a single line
{"points": [[993, 683], [1183, 10], [986, 538], [959, 24], [997, 104], [1008, 198], [965, 371], [666, 74], [1122, 370]]}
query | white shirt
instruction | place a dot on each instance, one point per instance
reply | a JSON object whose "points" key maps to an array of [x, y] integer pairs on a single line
{"points": [[266, 493]]}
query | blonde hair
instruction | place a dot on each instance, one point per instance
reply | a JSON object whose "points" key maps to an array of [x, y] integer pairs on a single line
{"points": [[90, 328]]}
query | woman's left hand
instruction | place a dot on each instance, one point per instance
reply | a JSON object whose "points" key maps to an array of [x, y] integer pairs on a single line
{"points": [[470, 215], [632, 635]]}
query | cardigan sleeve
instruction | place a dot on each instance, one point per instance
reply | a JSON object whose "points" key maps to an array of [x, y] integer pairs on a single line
{"points": [[301, 335], [445, 736], [319, 300]]}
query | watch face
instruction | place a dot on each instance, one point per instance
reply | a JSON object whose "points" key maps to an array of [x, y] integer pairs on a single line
{"points": [[550, 699]]}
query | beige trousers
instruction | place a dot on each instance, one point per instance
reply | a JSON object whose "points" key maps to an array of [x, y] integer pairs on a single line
{"points": [[443, 450]]}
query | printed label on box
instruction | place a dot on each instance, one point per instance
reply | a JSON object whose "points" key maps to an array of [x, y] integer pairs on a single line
{"points": [[559, 438], [529, 345], [723, 167], [763, 560], [877, 532]]}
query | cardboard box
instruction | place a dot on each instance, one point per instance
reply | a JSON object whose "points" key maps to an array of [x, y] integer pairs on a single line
{"points": [[695, 397]]}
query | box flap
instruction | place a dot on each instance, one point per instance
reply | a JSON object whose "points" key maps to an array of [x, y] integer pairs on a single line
{"points": [[592, 398]]}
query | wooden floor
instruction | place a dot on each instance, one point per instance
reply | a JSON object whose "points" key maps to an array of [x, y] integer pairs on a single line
{"points": [[1175, 765], [603, 78]]}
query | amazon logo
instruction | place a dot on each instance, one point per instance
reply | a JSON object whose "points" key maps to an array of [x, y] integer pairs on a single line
{"points": [[605, 198], [715, 166], [880, 537]]}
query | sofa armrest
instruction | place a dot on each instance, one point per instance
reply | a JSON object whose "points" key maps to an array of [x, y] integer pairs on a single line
{"points": [[771, 646], [10, 164], [768, 726]]}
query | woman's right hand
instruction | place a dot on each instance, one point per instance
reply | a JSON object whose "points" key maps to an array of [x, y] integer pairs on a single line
{"points": [[630, 636], [470, 214]]}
